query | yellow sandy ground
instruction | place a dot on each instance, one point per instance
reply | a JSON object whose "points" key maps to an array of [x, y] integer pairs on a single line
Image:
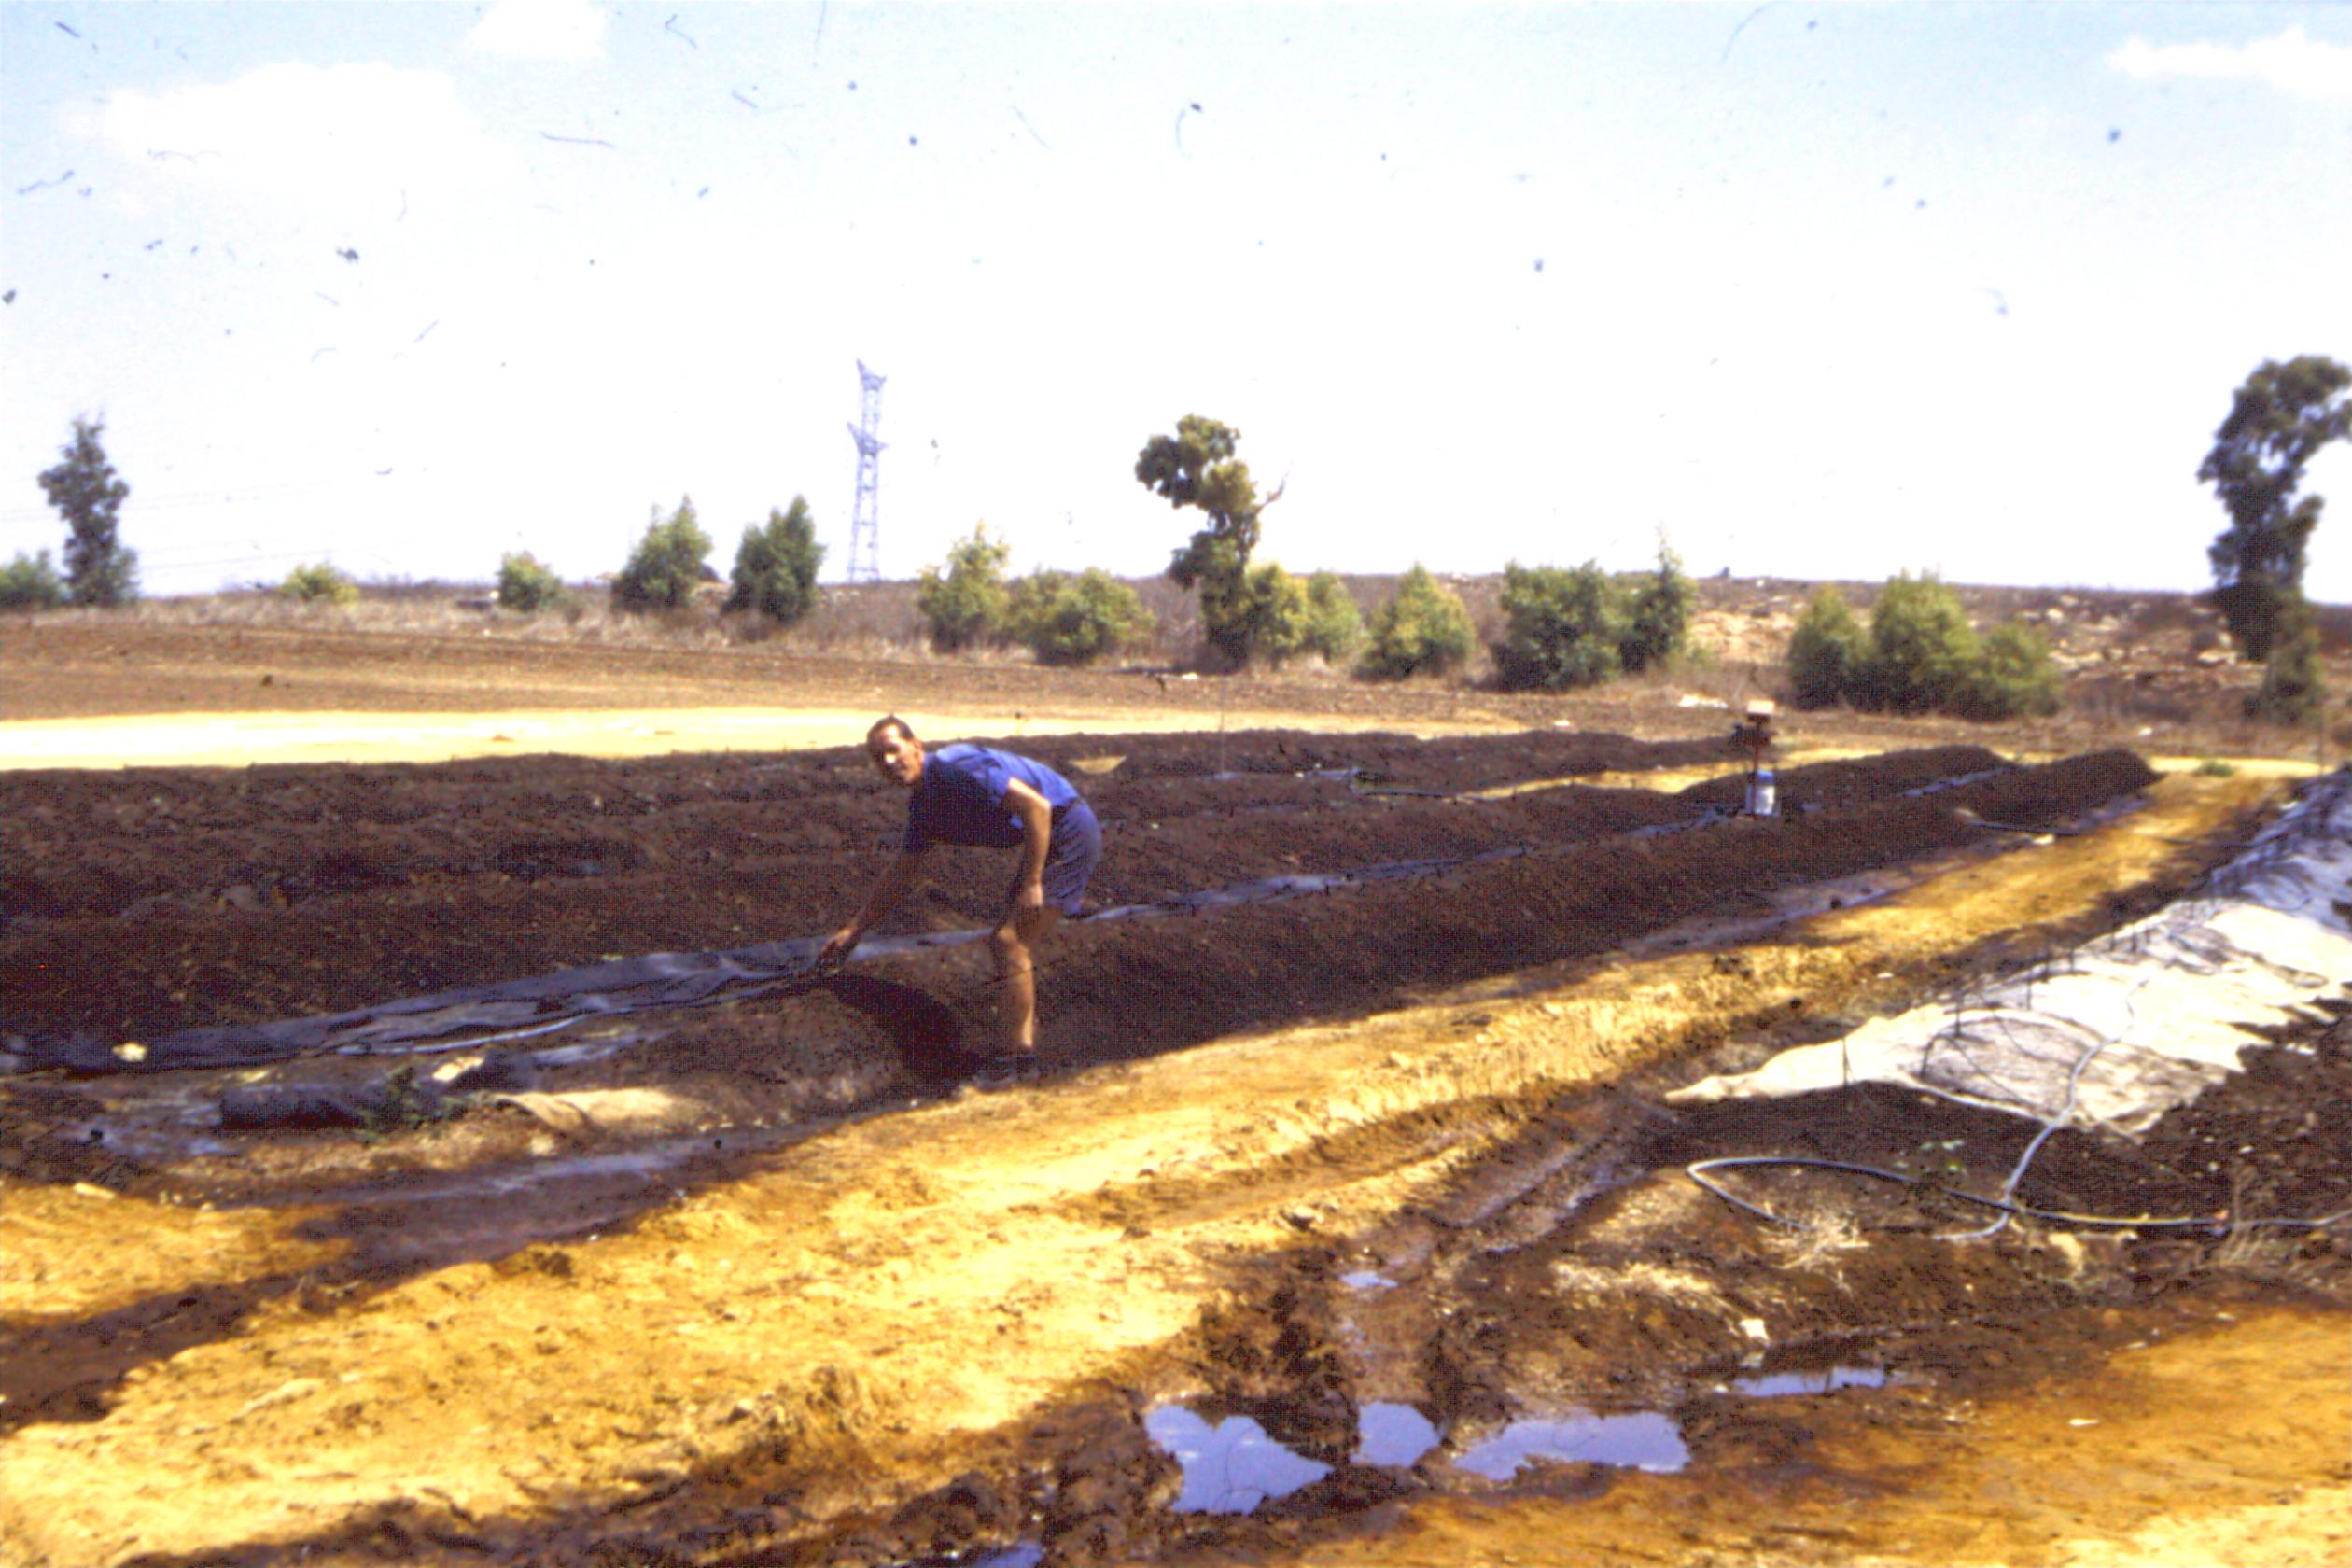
{"points": [[874, 1305], [237, 739], [46, 1275]]}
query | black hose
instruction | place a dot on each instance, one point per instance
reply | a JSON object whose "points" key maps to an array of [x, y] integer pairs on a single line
{"points": [[1698, 1173]]}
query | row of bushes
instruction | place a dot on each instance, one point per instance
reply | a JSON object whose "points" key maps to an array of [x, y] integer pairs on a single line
{"points": [[1277, 615], [1919, 654], [1579, 625], [31, 582], [775, 567]]}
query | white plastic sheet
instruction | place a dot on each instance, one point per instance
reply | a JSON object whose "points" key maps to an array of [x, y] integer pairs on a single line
{"points": [[2122, 1029]]}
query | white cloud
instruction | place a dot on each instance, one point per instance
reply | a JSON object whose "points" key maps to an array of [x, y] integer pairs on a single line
{"points": [[327, 135], [567, 30], [2306, 68]]}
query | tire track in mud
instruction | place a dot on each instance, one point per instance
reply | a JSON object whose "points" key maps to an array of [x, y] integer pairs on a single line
{"points": [[1027, 1236]]}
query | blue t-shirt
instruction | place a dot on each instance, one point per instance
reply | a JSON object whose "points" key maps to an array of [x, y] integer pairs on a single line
{"points": [[961, 799]]}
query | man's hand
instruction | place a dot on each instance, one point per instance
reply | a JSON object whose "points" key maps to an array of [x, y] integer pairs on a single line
{"points": [[1027, 896], [837, 947]]}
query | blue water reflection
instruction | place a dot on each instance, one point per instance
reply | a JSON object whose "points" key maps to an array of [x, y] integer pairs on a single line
{"points": [[1827, 1380], [1645, 1440], [1391, 1434], [1231, 1467]]}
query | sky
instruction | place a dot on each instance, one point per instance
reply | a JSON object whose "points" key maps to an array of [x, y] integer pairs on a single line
{"points": [[1822, 290]]}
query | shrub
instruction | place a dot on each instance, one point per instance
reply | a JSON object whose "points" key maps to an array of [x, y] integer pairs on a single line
{"points": [[1268, 620], [528, 585], [317, 583], [1659, 618], [966, 603], [31, 582], [1334, 626], [1826, 650], [1562, 627], [1924, 653], [667, 564], [1423, 628], [1277, 616], [2014, 676], [1064, 620], [1921, 655], [776, 566]]}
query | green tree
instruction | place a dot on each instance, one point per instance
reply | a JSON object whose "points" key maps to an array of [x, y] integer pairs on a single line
{"points": [[2291, 692], [2014, 676], [776, 566], [1562, 627], [1065, 619], [966, 603], [30, 582], [1423, 629], [89, 493], [2280, 419], [319, 583], [1657, 618], [1924, 653], [1826, 652], [667, 563], [1197, 467], [1334, 626], [526, 584]]}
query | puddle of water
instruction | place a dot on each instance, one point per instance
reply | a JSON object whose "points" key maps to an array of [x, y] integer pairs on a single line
{"points": [[1365, 1280], [149, 1146], [1392, 1434], [1645, 1440], [1231, 1467], [1028, 1554], [1827, 1380]]}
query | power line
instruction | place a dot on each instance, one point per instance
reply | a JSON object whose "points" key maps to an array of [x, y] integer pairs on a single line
{"points": [[183, 500]]}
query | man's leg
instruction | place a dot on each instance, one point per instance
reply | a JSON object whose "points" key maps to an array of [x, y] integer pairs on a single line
{"points": [[1012, 945]]}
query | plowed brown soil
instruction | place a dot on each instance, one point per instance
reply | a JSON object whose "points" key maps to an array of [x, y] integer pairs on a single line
{"points": [[754, 1281]]}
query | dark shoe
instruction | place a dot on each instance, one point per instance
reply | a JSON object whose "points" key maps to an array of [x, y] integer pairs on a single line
{"points": [[1006, 1070]]}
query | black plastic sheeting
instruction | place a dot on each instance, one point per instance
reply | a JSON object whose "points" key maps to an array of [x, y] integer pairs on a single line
{"points": [[520, 1009]]}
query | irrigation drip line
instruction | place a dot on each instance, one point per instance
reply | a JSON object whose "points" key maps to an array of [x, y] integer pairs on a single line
{"points": [[2064, 1113], [2221, 1223], [789, 985]]}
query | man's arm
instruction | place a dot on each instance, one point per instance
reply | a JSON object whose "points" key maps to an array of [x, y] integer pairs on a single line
{"points": [[897, 877], [1037, 833]]}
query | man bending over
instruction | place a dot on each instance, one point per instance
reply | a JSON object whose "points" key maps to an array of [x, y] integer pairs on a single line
{"points": [[977, 796]]}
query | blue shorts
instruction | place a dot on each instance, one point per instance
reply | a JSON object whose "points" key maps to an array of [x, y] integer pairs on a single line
{"points": [[1071, 856]]}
